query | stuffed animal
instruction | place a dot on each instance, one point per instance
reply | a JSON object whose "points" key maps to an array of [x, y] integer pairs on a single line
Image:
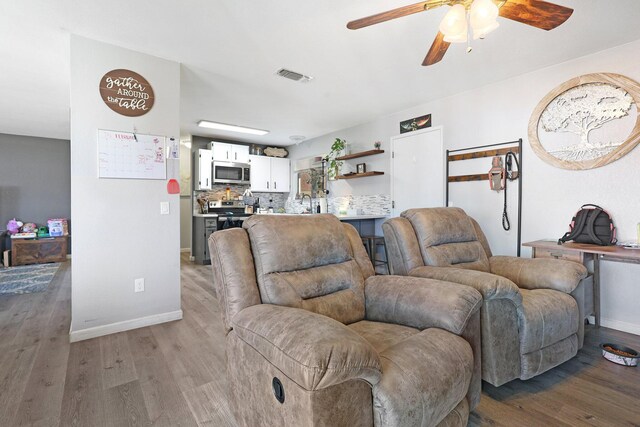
{"points": [[14, 226], [29, 227]]}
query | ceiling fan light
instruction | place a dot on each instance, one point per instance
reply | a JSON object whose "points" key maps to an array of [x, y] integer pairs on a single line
{"points": [[483, 16], [479, 33], [454, 25]]}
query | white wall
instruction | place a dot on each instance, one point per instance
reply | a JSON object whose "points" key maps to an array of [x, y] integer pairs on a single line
{"points": [[500, 112], [118, 232]]}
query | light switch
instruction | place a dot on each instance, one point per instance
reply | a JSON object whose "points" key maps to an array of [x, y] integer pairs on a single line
{"points": [[164, 208]]}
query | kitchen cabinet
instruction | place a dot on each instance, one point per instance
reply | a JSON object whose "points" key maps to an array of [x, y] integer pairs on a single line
{"points": [[270, 174], [280, 174], [202, 228], [202, 164], [226, 152]]}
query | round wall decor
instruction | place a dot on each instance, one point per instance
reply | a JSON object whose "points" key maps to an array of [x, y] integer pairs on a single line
{"points": [[587, 122], [126, 92]]}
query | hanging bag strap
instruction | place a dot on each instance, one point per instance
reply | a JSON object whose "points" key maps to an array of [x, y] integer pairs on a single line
{"points": [[581, 220], [591, 221]]}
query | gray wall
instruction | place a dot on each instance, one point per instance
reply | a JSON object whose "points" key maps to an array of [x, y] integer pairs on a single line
{"points": [[35, 179]]}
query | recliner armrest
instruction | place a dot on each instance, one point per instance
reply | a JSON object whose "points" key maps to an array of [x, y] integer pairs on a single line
{"points": [[420, 303], [314, 351], [491, 286], [539, 273]]}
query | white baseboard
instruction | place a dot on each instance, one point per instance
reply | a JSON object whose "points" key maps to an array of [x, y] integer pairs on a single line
{"points": [[631, 328], [127, 325], [185, 249]]}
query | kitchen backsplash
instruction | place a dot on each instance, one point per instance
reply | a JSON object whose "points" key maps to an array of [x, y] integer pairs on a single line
{"points": [[377, 204], [218, 192]]}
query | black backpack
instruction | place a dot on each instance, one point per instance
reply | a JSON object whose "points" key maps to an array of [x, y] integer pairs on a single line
{"points": [[591, 224]]}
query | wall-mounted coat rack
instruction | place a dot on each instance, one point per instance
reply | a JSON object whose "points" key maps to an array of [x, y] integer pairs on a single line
{"points": [[491, 150]]}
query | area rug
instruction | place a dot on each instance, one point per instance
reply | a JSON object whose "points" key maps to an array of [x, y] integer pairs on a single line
{"points": [[27, 279]]}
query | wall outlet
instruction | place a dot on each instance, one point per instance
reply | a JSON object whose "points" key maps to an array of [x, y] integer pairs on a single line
{"points": [[164, 208], [138, 285]]}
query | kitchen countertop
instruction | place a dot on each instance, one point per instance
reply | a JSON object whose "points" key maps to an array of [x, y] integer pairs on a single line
{"points": [[357, 217], [340, 217]]}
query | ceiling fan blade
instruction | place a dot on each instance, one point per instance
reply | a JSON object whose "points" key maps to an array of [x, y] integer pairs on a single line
{"points": [[437, 50], [537, 13], [394, 13]]}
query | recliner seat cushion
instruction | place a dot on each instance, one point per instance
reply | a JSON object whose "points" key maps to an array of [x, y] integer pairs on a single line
{"points": [[546, 317], [382, 335]]}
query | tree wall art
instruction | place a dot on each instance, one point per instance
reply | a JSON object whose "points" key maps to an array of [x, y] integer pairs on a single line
{"points": [[587, 122]]}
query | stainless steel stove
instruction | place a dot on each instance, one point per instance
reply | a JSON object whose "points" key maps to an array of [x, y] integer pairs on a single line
{"points": [[231, 213]]}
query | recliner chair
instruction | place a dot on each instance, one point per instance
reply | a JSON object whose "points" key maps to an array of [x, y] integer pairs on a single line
{"points": [[532, 314], [314, 338]]}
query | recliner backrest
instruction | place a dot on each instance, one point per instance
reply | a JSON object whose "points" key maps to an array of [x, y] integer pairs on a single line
{"points": [[307, 262], [447, 238]]}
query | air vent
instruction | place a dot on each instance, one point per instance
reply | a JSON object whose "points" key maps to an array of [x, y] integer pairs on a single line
{"points": [[292, 75]]}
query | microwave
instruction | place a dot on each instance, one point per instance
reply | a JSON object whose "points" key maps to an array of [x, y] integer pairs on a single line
{"points": [[231, 173]]}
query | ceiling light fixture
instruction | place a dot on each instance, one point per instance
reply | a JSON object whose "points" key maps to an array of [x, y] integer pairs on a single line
{"points": [[482, 18], [454, 25], [231, 128], [297, 139]]}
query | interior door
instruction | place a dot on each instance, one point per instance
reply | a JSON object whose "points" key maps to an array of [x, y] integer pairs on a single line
{"points": [[260, 173], [417, 170], [280, 175]]}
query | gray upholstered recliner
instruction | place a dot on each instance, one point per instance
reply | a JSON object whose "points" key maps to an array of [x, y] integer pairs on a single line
{"points": [[314, 338], [531, 316]]}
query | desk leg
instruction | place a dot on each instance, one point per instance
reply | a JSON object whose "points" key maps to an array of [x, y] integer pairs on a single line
{"points": [[596, 288]]}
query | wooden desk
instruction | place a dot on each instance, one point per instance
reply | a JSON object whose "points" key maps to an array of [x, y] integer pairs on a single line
{"points": [[583, 252], [36, 251]]}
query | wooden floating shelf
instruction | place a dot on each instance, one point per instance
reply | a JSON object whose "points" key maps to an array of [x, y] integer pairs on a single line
{"points": [[360, 154], [466, 178], [480, 154], [359, 175]]}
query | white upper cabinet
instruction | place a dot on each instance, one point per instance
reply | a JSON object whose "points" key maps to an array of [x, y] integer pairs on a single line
{"points": [[270, 174], [223, 151], [202, 162], [240, 153], [281, 174], [260, 173]]}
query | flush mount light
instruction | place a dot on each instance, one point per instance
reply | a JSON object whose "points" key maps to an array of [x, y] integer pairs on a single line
{"points": [[297, 139], [231, 128]]}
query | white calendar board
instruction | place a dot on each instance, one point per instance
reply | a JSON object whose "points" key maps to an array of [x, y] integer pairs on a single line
{"points": [[133, 156]]}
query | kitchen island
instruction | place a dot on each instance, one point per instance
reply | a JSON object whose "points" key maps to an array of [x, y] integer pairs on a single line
{"points": [[205, 224]]}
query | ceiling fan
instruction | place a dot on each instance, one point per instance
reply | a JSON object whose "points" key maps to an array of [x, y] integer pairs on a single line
{"points": [[480, 15]]}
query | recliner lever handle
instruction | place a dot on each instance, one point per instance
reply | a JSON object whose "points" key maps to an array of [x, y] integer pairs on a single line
{"points": [[278, 389]]}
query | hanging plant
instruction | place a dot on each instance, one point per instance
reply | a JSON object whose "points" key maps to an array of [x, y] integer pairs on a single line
{"points": [[336, 150]]}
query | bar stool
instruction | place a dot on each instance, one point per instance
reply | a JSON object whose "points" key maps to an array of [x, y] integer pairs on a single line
{"points": [[371, 244]]}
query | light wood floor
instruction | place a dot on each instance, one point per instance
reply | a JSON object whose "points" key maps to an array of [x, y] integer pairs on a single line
{"points": [[173, 374]]}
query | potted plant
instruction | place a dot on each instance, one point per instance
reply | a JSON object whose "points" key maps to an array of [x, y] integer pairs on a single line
{"points": [[336, 150]]}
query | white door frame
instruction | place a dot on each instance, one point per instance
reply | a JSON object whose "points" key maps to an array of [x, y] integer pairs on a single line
{"points": [[397, 138]]}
